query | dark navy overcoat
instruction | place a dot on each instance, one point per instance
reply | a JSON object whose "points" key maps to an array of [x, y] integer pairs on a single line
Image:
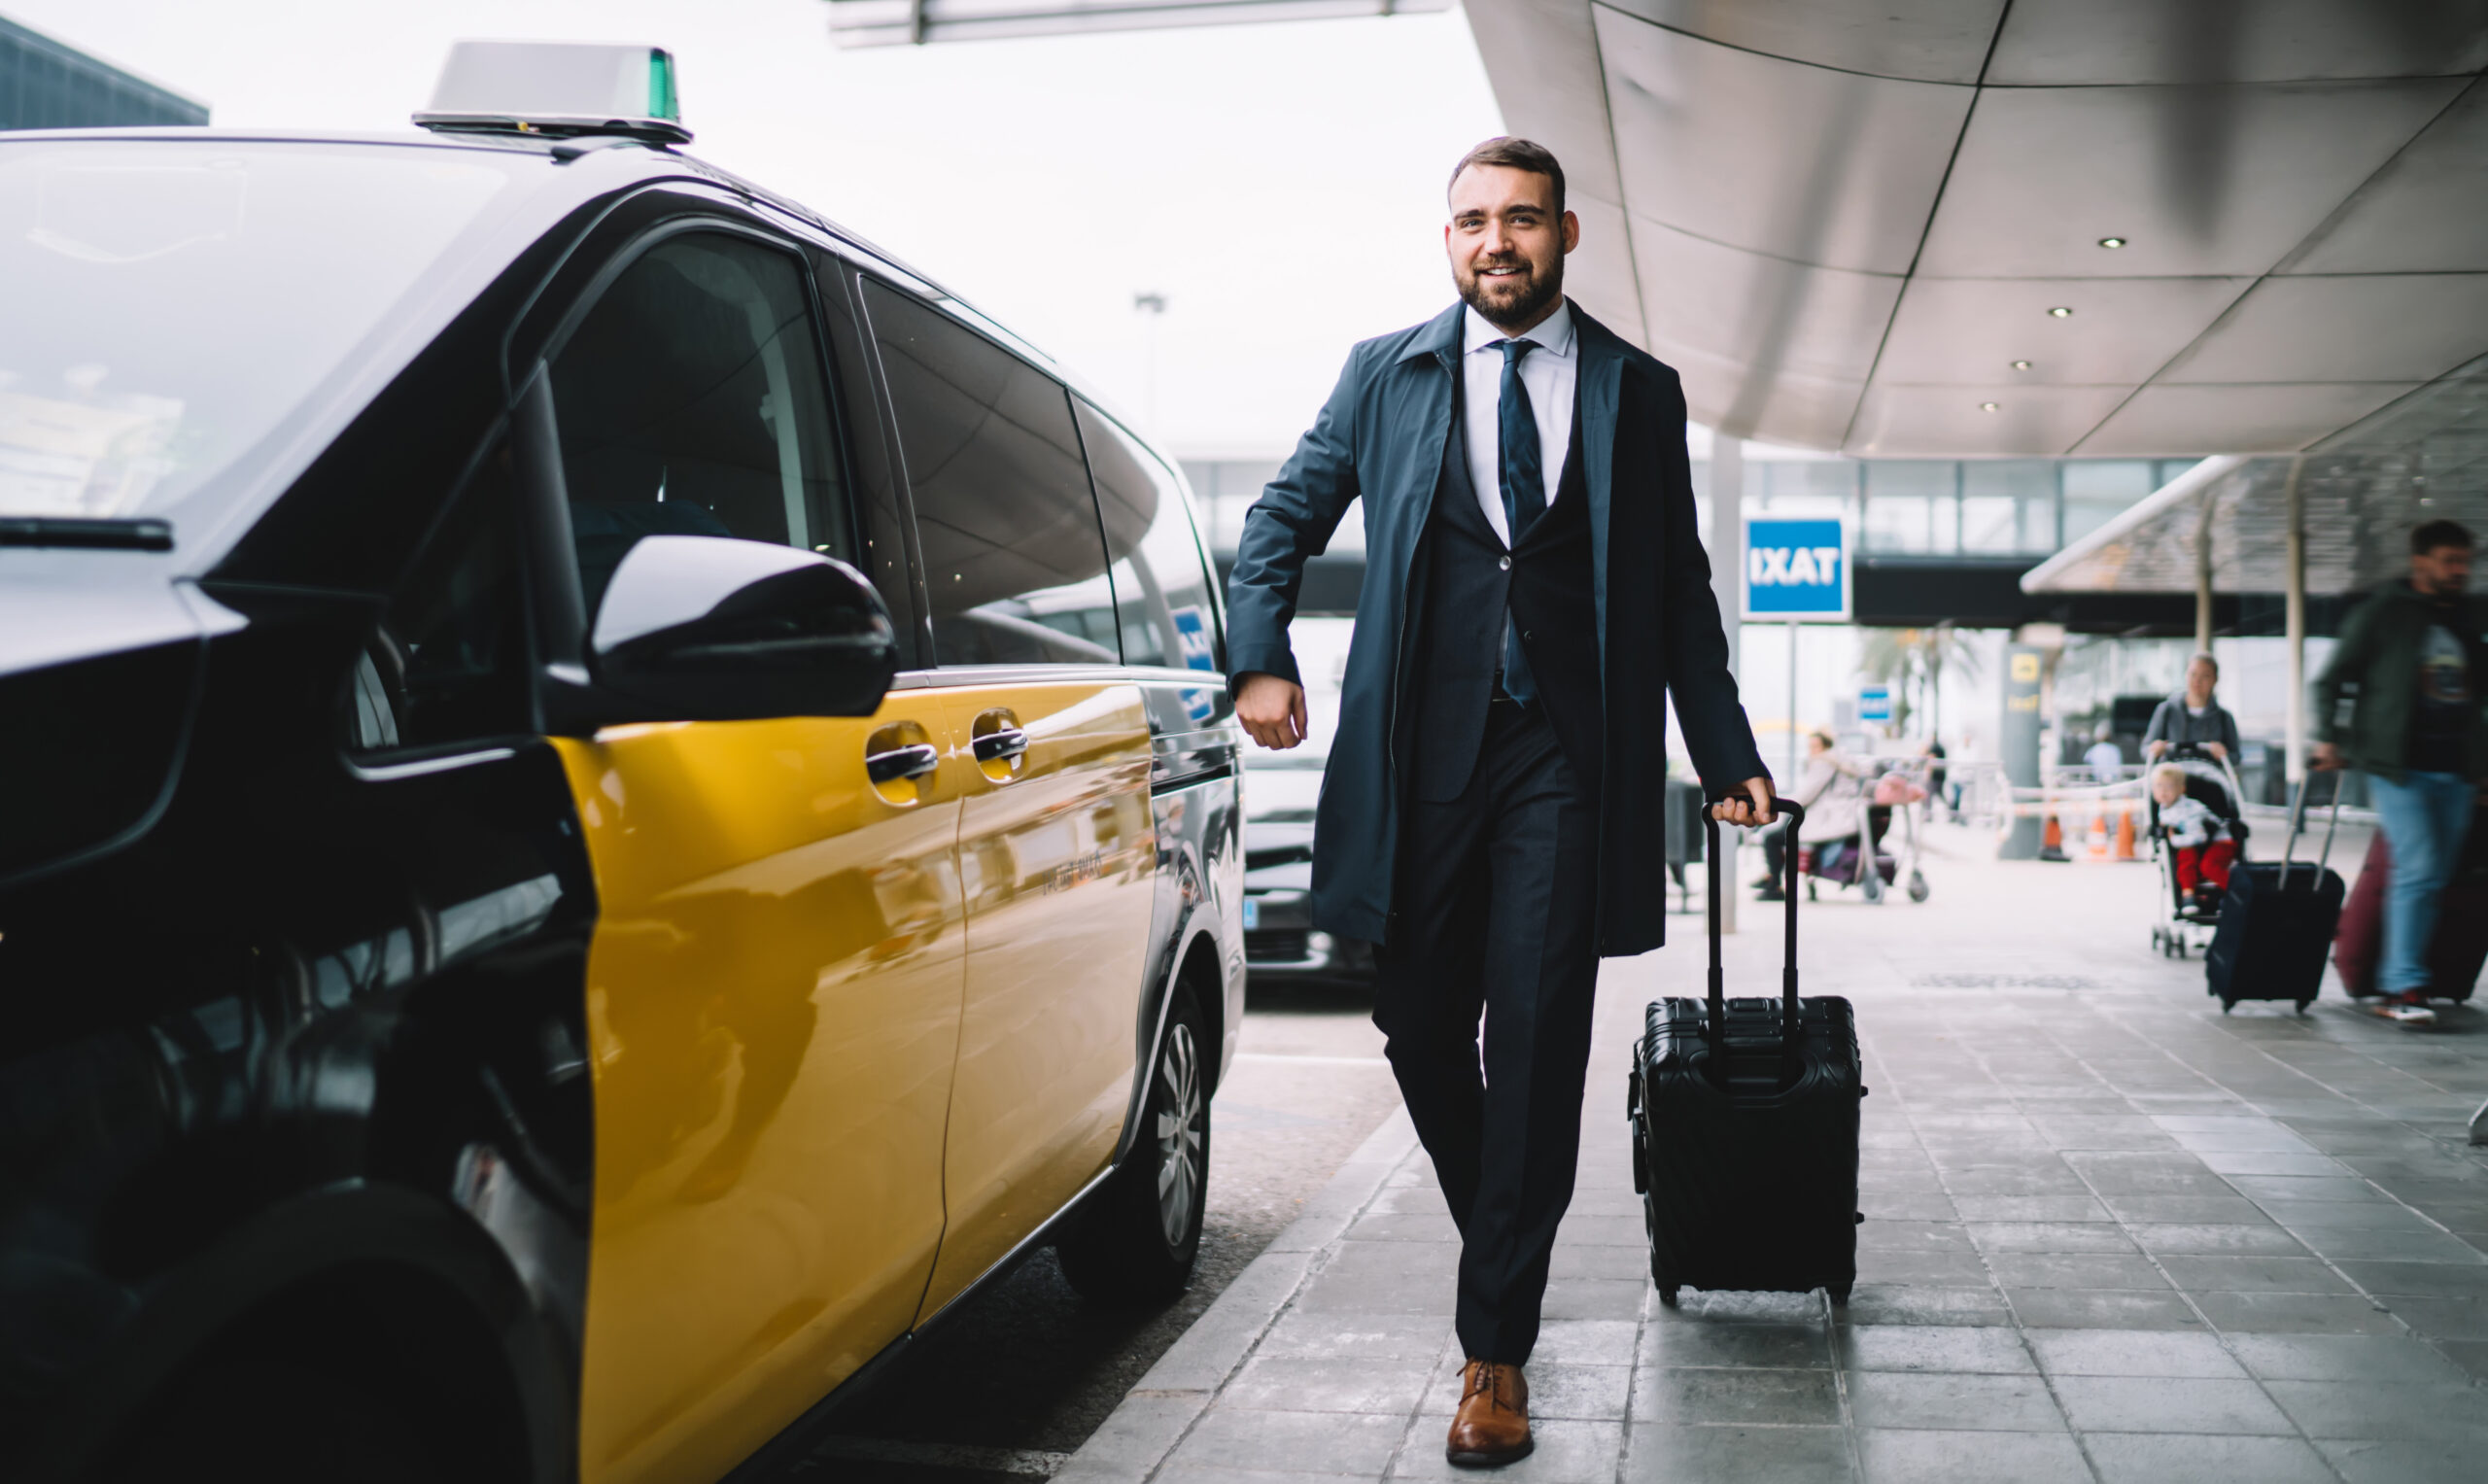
{"points": [[1383, 435]]}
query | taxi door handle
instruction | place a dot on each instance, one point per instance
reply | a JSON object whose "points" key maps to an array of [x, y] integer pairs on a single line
{"points": [[995, 747], [909, 762]]}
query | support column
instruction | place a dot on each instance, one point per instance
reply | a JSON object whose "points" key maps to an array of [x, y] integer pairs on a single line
{"points": [[2293, 629], [1728, 585], [2203, 578]]}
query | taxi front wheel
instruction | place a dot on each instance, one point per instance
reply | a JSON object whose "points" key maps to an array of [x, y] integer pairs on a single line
{"points": [[1136, 1242]]}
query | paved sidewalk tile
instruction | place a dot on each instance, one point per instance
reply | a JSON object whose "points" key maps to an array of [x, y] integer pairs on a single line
{"points": [[2112, 1235]]}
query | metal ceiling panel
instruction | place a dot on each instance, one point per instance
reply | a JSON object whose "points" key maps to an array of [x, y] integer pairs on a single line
{"points": [[1769, 314], [1950, 421], [1971, 330], [2237, 419], [1545, 76], [1726, 394], [1929, 41], [1599, 274], [2425, 212], [2196, 181], [2057, 43], [2386, 327], [1822, 167]]}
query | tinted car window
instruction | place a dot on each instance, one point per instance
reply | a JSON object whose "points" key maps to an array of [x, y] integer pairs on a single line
{"points": [[1162, 585], [691, 402], [171, 303], [447, 662], [1015, 568]]}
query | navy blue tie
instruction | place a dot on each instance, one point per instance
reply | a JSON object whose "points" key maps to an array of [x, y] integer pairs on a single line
{"points": [[1524, 482]]}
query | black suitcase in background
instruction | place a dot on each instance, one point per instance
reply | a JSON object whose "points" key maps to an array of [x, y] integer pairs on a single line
{"points": [[1744, 1131], [2277, 921]]}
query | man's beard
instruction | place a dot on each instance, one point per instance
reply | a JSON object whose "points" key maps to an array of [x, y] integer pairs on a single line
{"points": [[1531, 300]]}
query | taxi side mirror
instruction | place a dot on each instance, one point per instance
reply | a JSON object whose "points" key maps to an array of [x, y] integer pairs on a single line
{"points": [[701, 628]]}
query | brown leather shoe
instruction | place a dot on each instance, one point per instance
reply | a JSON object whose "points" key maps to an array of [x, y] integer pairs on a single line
{"points": [[1492, 1427]]}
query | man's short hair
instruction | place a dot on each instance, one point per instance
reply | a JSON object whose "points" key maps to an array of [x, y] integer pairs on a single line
{"points": [[2204, 657], [1513, 154], [2431, 536]]}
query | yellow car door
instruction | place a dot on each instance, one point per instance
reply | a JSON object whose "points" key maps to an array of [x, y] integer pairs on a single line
{"points": [[775, 982], [1058, 846]]}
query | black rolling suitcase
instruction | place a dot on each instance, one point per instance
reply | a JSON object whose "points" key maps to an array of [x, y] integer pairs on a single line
{"points": [[2276, 922], [1744, 1131]]}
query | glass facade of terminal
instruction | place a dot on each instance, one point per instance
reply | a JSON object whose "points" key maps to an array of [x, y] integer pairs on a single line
{"points": [[47, 86], [1930, 507]]}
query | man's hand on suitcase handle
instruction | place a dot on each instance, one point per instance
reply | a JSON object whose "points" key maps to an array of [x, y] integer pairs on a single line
{"points": [[1748, 804]]}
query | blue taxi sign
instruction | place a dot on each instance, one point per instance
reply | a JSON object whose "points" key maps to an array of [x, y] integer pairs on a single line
{"points": [[1797, 570], [557, 88]]}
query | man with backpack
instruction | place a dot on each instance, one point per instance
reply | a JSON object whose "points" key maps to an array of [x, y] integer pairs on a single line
{"points": [[2400, 702]]}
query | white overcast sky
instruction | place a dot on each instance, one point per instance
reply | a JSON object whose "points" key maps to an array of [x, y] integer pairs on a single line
{"points": [[1281, 186]]}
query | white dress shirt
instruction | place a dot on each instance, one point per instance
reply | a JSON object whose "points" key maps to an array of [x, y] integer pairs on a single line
{"points": [[1550, 373]]}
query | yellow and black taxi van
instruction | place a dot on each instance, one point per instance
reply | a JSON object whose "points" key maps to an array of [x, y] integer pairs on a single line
{"points": [[607, 802]]}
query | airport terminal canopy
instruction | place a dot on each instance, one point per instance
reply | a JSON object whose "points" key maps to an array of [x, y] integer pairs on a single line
{"points": [[2358, 494], [1960, 227]]}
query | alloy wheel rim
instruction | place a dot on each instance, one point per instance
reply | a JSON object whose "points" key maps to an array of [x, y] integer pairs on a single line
{"points": [[1181, 1136]]}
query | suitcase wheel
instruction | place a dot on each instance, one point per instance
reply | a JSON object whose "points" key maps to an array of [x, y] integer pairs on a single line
{"points": [[1667, 1296], [2227, 1004], [1839, 1295], [2302, 1003]]}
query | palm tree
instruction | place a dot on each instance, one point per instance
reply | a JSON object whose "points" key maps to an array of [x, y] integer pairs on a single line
{"points": [[1913, 661]]}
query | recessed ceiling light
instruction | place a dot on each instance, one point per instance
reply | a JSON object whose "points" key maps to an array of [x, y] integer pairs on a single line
{"points": [[2020, 365], [1990, 406], [2060, 312], [2112, 242]]}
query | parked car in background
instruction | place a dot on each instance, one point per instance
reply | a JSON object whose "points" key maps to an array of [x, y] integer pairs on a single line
{"points": [[1281, 945]]}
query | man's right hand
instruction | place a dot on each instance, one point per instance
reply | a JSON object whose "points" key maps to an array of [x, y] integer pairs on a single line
{"points": [[2329, 759], [1272, 710]]}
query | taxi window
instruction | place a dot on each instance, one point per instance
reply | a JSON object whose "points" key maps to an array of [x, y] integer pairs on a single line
{"points": [[1015, 568], [1161, 586], [691, 400], [170, 304], [447, 662]]}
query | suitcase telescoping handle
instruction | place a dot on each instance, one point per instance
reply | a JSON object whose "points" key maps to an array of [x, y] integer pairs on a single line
{"points": [[1712, 869], [2297, 825]]}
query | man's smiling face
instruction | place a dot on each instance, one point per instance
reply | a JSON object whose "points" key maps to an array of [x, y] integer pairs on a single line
{"points": [[1507, 243]]}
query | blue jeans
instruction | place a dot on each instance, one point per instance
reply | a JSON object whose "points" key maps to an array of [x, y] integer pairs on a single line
{"points": [[2425, 817]]}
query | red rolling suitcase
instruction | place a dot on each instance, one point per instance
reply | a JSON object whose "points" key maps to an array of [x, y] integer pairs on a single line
{"points": [[1745, 1116], [2460, 950]]}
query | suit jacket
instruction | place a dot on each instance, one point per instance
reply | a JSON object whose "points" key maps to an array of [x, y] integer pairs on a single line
{"points": [[1382, 435]]}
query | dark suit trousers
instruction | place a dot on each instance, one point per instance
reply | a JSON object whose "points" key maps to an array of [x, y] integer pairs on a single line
{"points": [[1496, 915]]}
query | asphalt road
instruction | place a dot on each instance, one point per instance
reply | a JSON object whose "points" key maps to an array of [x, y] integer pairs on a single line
{"points": [[1006, 1389]]}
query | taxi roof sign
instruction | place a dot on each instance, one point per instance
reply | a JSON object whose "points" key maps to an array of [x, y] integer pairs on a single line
{"points": [[557, 88]]}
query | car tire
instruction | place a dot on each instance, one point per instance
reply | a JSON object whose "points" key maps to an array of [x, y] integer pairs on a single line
{"points": [[1136, 1242]]}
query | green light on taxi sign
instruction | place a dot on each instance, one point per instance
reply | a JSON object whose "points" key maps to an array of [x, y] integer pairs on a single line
{"points": [[661, 100]]}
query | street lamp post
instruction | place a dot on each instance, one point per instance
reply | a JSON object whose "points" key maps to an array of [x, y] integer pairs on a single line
{"points": [[1153, 306]]}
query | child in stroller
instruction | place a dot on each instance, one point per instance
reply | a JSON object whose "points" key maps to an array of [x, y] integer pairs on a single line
{"points": [[2200, 837], [2197, 835]]}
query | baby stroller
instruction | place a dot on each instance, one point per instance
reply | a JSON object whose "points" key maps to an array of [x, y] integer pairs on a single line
{"points": [[2182, 925], [1891, 799]]}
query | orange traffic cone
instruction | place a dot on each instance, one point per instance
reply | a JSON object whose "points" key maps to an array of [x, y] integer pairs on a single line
{"points": [[2097, 840], [2126, 835], [2052, 840]]}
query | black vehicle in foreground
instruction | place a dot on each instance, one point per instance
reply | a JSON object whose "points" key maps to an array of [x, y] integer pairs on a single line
{"points": [[608, 803]]}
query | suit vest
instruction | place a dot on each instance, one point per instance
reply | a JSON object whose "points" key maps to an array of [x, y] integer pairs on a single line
{"points": [[1468, 588]]}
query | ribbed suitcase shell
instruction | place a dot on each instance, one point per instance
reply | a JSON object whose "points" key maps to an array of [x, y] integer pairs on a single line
{"points": [[1746, 1187], [1748, 1171], [2276, 922]]}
